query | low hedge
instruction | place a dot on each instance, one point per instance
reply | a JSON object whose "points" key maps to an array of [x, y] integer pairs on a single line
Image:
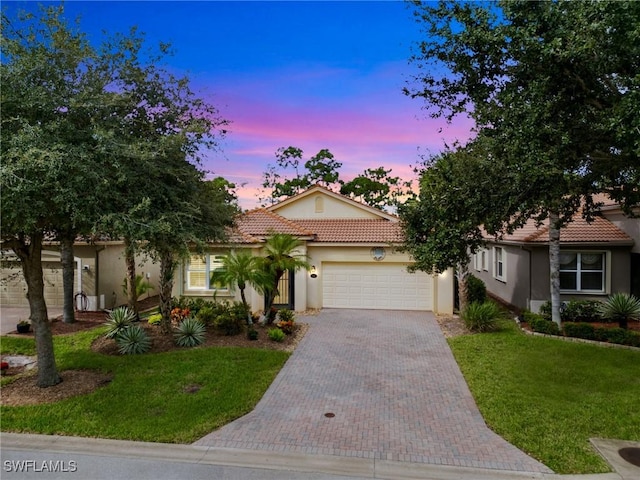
{"points": [[620, 336]]}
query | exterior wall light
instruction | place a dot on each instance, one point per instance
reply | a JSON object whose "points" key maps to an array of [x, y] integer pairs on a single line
{"points": [[313, 273]]}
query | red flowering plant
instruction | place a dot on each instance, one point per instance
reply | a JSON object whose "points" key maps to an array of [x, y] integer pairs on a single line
{"points": [[178, 315], [286, 321], [4, 366]]}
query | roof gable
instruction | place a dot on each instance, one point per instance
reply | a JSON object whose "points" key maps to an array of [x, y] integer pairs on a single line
{"points": [[319, 203]]}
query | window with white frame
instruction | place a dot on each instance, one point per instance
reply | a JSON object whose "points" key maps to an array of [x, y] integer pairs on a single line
{"points": [[476, 261], [499, 264], [199, 270], [484, 259], [582, 271]]}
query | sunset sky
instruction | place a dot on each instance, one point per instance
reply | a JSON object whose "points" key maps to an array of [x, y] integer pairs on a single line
{"points": [[308, 74]]}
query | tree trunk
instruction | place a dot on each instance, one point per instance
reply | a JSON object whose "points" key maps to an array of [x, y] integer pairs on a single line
{"points": [[244, 302], [272, 293], [554, 266], [31, 260], [68, 267], [462, 274], [130, 261], [167, 268]]}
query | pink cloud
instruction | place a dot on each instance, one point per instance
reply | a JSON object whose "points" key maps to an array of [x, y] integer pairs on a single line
{"points": [[369, 123]]}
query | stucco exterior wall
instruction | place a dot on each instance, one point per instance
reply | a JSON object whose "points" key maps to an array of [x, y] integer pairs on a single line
{"points": [[322, 206], [528, 285]]}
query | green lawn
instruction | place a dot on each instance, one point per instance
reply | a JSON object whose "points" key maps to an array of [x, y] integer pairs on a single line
{"points": [[548, 397], [146, 400]]}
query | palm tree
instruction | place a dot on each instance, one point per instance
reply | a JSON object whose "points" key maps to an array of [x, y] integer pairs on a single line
{"points": [[281, 257], [239, 269]]}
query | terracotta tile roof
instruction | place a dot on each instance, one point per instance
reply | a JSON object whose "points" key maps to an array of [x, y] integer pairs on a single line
{"points": [[362, 230], [259, 223], [600, 230], [254, 226]]}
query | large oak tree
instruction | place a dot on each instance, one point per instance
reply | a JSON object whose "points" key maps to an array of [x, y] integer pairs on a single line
{"points": [[554, 89]]}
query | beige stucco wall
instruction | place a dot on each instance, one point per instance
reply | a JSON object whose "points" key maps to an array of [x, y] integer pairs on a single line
{"points": [[308, 291], [323, 206]]}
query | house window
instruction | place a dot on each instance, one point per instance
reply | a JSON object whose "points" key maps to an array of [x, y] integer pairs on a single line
{"points": [[582, 271], [476, 261], [199, 271], [499, 264], [484, 260]]}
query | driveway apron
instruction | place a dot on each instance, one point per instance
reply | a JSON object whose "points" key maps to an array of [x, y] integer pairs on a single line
{"points": [[373, 384]]}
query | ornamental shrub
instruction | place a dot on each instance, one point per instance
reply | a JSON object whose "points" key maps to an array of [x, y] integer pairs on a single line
{"points": [[118, 321], [155, 319], [286, 315], [476, 290], [581, 311], [579, 330], [252, 334], [229, 324], [482, 317], [541, 325], [190, 333], [276, 334], [207, 315], [133, 340], [621, 307]]}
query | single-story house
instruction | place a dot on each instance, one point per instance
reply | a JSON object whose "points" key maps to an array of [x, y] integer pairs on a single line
{"points": [[99, 273], [595, 261], [350, 247]]}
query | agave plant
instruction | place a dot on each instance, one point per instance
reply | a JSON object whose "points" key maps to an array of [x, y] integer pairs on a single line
{"points": [[190, 333], [118, 321], [133, 340], [621, 307]]}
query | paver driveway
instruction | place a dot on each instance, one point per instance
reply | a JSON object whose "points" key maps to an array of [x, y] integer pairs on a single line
{"points": [[394, 388]]}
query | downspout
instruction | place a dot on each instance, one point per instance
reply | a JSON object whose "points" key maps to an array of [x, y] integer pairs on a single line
{"points": [[97, 275]]}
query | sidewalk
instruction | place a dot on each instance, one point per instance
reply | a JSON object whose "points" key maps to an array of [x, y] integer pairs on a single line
{"points": [[113, 451]]}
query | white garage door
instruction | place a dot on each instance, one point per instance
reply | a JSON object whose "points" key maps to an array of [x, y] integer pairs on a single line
{"points": [[375, 285]]}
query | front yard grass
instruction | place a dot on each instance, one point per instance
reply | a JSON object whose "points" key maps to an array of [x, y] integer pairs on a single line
{"points": [[548, 397], [149, 398]]}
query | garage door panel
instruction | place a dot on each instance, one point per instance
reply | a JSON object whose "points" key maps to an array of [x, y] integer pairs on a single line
{"points": [[379, 286]]}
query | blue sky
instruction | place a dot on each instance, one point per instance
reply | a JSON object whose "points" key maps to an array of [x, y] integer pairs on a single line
{"points": [[311, 74]]}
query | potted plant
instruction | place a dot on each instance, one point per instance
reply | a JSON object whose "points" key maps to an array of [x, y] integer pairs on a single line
{"points": [[23, 326]]}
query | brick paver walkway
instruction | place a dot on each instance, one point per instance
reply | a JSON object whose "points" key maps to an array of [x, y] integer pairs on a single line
{"points": [[393, 387]]}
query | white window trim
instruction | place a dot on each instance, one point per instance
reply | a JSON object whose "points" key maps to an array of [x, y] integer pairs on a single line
{"points": [[606, 272], [501, 277], [210, 265], [484, 259]]}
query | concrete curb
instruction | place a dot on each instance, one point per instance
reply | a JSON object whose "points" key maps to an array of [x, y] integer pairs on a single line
{"points": [[328, 464]]}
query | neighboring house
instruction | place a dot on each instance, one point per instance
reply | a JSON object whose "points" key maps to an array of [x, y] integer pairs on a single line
{"points": [[99, 273], [595, 261], [350, 247]]}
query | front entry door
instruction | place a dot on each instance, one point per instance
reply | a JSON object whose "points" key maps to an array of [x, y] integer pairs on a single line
{"points": [[285, 296]]}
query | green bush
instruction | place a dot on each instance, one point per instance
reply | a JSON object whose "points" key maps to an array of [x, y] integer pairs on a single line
{"points": [[229, 324], [252, 334], [190, 333], [482, 317], [581, 311], [618, 335], [207, 315], [286, 315], [476, 290], [155, 319], [118, 321], [193, 304], [579, 330], [133, 340], [541, 325], [276, 334], [545, 310], [528, 316]]}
